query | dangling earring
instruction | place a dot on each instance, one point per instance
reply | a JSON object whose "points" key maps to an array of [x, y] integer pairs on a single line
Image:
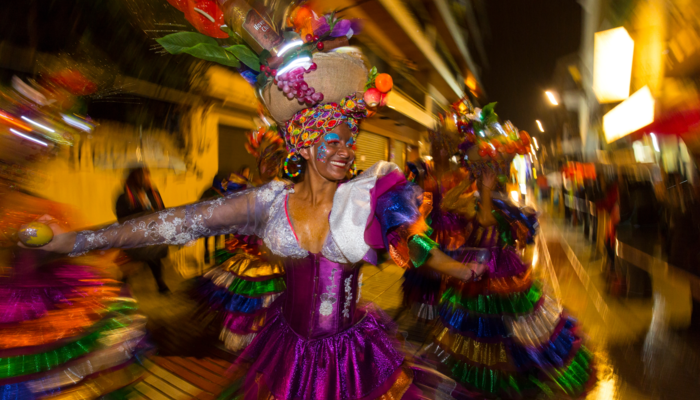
{"points": [[354, 169], [293, 157]]}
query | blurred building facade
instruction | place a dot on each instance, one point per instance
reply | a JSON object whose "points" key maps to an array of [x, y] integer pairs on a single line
{"points": [[666, 60]]}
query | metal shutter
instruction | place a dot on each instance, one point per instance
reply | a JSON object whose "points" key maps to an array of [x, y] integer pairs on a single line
{"points": [[370, 149], [399, 154]]}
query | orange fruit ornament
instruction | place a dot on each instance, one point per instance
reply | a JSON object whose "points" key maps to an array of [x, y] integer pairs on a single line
{"points": [[301, 16], [383, 83]]}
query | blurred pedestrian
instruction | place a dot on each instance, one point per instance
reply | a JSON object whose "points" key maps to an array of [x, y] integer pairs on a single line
{"points": [[610, 205], [140, 198]]}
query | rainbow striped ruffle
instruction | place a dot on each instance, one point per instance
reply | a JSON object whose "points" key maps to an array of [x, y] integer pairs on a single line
{"points": [[242, 289]]}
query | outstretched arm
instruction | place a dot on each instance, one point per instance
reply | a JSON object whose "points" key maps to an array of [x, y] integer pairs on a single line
{"points": [[237, 213]]}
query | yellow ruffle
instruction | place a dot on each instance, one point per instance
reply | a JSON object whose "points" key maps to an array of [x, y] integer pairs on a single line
{"points": [[249, 266], [400, 386], [482, 353], [511, 284]]}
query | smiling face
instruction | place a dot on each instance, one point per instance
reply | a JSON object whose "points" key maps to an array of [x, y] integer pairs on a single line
{"points": [[333, 155]]}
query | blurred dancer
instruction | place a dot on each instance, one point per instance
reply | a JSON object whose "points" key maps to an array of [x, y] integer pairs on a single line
{"points": [[66, 328], [140, 197], [421, 287], [500, 335]]}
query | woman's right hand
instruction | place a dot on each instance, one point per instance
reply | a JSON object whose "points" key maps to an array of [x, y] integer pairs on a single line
{"points": [[488, 179], [63, 240]]}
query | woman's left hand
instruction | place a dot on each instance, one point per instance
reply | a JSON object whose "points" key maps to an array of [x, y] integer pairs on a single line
{"points": [[476, 270], [445, 264]]}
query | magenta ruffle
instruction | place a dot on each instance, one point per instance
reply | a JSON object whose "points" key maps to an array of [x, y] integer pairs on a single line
{"points": [[242, 323], [358, 363], [30, 295]]}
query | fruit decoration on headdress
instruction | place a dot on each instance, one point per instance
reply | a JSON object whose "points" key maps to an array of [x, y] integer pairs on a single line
{"points": [[204, 15], [481, 128], [486, 143], [377, 89], [262, 45], [73, 81]]}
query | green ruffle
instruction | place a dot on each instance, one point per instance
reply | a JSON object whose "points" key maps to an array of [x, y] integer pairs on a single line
{"points": [[572, 380], [34, 363], [257, 288], [485, 379], [419, 247], [122, 306], [515, 303], [222, 255]]}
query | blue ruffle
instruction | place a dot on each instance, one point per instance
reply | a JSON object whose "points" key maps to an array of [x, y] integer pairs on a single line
{"points": [[553, 354], [399, 207], [242, 304], [221, 298], [513, 213], [472, 324], [16, 391]]}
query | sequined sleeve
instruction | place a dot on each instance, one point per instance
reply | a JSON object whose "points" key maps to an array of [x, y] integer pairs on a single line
{"points": [[243, 213]]}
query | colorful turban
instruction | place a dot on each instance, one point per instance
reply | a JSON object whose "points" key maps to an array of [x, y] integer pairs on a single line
{"points": [[309, 125]]}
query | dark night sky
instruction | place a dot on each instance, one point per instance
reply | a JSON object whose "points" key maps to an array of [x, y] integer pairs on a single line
{"points": [[527, 37]]}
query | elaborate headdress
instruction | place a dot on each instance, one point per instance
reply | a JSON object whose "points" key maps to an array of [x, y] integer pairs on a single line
{"points": [[305, 74], [486, 143], [266, 145]]}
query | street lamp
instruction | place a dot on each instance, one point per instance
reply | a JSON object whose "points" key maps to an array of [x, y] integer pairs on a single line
{"points": [[539, 125], [551, 98]]}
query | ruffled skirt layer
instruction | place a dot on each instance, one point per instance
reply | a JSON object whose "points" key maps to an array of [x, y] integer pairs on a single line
{"points": [[74, 332], [503, 336], [240, 291], [421, 292]]}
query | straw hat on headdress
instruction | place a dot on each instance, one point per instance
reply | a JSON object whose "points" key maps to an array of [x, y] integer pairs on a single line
{"points": [[337, 76]]}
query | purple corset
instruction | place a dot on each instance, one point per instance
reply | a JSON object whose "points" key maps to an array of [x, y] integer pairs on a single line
{"points": [[321, 296]]}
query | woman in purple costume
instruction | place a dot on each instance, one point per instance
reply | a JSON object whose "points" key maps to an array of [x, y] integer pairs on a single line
{"points": [[318, 341]]}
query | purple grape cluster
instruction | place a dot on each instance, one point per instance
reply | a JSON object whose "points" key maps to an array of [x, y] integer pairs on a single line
{"points": [[294, 87]]}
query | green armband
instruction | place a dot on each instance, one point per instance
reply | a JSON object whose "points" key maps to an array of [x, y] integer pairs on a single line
{"points": [[419, 247]]}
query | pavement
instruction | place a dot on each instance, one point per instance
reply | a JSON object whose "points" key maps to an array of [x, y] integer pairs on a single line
{"points": [[645, 348]]}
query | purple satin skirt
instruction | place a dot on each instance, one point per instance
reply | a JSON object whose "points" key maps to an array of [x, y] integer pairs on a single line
{"points": [[358, 363]]}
